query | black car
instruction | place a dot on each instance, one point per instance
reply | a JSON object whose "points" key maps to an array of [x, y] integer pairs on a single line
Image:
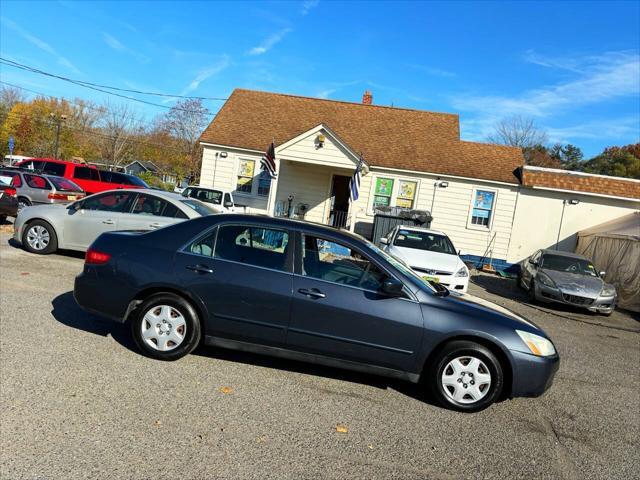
{"points": [[8, 202], [309, 292]]}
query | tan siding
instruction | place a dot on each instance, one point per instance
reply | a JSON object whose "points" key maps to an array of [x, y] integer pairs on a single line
{"points": [[309, 184], [331, 154]]}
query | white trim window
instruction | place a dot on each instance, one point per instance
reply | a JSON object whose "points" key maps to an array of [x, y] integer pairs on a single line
{"points": [[483, 204], [251, 179], [390, 191]]}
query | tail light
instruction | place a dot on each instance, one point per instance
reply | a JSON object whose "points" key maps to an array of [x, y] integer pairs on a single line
{"points": [[58, 196], [94, 257], [12, 192]]}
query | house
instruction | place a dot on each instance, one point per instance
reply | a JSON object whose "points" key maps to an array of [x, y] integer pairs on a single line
{"points": [[141, 166], [412, 158]]}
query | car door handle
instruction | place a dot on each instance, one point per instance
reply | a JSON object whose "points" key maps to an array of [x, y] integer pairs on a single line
{"points": [[108, 221], [155, 225], [313, 293], [199, 268]]}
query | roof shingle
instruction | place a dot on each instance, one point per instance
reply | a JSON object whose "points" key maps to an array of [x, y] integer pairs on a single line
{"points": [[387, 136]]}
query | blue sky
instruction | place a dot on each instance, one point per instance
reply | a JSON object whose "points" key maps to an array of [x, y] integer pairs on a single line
{"points": [[574, 67]]}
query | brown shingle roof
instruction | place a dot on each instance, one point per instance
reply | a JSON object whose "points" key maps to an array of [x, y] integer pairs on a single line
{"points": [[388, 137], [581, 182]]}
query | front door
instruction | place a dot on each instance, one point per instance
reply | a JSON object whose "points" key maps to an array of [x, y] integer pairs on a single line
{"points": [[243, 275], [339, 311], [339, 201]]}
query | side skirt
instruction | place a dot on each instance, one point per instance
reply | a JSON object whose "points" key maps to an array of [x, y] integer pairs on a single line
{"points": [[310, 358]]}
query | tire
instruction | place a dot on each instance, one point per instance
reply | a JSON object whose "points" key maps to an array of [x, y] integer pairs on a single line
{"points": [[39, 237], [449, 366], [3, 218], [519, 281], [23, 202], [166, 327]]}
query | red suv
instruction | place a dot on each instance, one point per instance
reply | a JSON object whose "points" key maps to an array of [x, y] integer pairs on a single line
{"points": [[88, 177]]}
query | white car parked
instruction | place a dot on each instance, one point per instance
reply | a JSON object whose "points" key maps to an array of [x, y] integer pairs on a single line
{"points": [[219, 200], [430, 254]]}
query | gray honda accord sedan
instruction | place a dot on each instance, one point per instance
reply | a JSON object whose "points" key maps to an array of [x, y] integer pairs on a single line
{"points": [[312, 293]]}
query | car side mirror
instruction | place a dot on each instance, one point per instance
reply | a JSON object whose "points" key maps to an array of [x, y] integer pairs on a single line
{"points": [[392, 287], [532, 261], [384, 241], [228, 204], [74, 206]]}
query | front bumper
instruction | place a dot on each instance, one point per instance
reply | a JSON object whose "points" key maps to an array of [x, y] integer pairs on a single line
{"points": [[456, 284], [600, 304], [532, 375]]}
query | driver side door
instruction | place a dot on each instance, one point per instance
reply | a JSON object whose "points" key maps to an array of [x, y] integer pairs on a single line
{"points": [[338, 309]]}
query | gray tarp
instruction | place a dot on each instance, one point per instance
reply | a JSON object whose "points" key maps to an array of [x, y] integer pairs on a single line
{"points": [[614, 247]]}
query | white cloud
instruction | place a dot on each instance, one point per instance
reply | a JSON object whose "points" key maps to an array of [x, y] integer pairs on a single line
{"points": [[625, 128], [269, 42], [438, 72], [206, 73], [41, 44], [113, 42], [308, 5]]}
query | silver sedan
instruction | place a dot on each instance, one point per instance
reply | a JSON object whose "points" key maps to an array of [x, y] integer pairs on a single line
{"points": [[44, 229]]}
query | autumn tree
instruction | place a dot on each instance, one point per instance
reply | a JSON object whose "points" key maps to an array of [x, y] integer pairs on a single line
{"points": [[9, 96], [117, 127], [523, 132], [617, 161]]}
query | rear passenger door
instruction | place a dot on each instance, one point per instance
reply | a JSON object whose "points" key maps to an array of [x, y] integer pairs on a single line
{"points": [[149, 212], [243, 275], [89, 179]]}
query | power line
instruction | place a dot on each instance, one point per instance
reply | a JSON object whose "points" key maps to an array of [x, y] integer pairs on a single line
{"points": [[101, 88]]}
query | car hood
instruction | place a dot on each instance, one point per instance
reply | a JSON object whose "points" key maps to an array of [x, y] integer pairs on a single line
{"points": [[575, 283], [425, 259]]}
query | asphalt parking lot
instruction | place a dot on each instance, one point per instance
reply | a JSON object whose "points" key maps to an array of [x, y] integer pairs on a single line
{"points": [[78, 401]]}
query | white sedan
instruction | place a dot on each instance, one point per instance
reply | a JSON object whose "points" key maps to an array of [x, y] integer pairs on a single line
{"points": [[430, 254]]}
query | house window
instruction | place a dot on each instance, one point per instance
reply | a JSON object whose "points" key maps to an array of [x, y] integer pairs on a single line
{"points": [[245, 175], [406, 194], [383, 192], [483, 202], [264, 183]]}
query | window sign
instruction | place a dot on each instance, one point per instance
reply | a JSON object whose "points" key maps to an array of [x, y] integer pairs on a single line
{"points": [[482, 208], [383, 191], [245, 175], [406, 194]]}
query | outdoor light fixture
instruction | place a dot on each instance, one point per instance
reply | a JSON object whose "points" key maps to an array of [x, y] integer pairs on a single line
{"points": [[572, 201], [223, 154], [320, 139], [565, 202], [443, 184]]}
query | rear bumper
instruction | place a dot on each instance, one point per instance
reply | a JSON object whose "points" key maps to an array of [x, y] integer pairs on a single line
{"points": [[97, 296], [8, 206], [532, 375]]}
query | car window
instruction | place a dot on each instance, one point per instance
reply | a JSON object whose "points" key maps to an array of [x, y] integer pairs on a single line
{"points": [[152, 205], [15, 181], [331, 261], [431, 242], [52, 168], [257, 246], [207, 196], [204, 246], [227, 198], [32, 164], [563, 263], [199, 207], [109, 202], [64, 184], [36, 181], [86, 173]]}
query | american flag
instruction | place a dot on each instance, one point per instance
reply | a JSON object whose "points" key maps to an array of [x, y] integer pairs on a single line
{"points": [[268, 161], [354, 184]]}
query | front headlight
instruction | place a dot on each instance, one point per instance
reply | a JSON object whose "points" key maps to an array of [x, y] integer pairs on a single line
{"points": [[538, 345], [608, 291], [463, 272], [545, 280]]}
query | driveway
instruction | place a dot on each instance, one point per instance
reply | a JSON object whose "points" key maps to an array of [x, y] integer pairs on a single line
{"points": [[78, 402]]}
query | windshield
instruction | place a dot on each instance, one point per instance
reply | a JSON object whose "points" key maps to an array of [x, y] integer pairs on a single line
{"points": [[208, 196], [431, 242], [64, 184], [561, 263], [401, 266], [122, 178], [199, 207]]}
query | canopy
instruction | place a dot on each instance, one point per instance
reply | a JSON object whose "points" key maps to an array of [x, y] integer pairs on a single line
{"points": [[614, 247]]}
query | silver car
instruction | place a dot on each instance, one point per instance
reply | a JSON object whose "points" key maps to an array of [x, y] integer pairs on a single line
{"points": [[36, 188], [562, 277], [44, 229]]}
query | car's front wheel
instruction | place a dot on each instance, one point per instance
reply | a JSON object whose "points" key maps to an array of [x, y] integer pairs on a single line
{"points": [[466, 376], [166, 327], [39, 237]]}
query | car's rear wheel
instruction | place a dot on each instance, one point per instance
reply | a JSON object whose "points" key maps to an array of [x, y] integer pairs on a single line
{"points": [[466, 376], [166, 327], [23, 202], [39, 237]]}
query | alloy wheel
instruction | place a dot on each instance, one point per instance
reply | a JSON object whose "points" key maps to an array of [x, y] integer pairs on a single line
{"points": [[38, 237], [466, 379], [163, 328]]}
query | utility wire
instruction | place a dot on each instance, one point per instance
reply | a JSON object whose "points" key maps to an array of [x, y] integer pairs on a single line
{"points": [[101, 88]]}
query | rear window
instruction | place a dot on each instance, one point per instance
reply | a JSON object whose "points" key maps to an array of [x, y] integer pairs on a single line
{"points": [[86, 173], [36, 181], [121, 178], [11, 177], [52, 168], [64, 184], [208, 196], [199, 207]]}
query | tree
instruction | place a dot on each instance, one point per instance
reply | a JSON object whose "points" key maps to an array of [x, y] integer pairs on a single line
{"points": [[518, 131], [186, 122], [569, 156], [117, 127], [616, 161], [9, 96]]}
